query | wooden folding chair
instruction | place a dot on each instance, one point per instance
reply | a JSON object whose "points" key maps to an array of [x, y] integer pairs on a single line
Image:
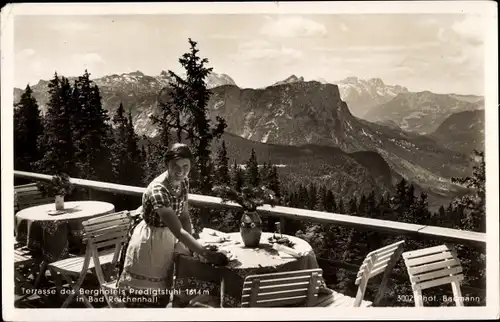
{"points": [[294, 288], [104, 236], [376, 262], [431, 267], [22, 260], [29, 195]]}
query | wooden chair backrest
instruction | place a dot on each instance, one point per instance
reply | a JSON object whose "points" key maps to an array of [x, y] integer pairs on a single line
{"points": [[29, 195], [434, 266], [104, 232], [379, 261], [282, 289]]}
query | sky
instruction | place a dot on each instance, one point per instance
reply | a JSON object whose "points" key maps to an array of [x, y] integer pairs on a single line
{"points": [[443, 53]]}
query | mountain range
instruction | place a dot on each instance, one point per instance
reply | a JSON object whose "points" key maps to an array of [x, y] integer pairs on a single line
{"points": [[308, 126], [422, 112], [305, 113], [395, 106], [363, 95], [463, 131]]}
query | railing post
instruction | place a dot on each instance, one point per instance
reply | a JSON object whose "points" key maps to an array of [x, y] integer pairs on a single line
{"points": [[282, 224]]}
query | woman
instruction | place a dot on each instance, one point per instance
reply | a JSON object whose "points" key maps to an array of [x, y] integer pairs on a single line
{"points": [[149, 258]]}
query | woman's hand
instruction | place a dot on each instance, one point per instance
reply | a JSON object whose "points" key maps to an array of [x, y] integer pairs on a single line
{"points": [[216, 258]]}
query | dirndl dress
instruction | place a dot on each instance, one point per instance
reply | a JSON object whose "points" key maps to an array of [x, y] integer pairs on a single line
{"points": [[147, 273]]}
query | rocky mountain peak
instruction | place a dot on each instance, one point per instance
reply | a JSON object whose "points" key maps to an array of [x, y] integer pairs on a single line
{"points": [[351, 79], [136, 73], [290, 80], [376, 82]]}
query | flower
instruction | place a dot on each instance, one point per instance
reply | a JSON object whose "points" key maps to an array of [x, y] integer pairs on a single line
{"points": [[249, 197], [59, 185]]}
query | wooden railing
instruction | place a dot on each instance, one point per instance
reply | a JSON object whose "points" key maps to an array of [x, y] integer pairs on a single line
{"points": [[463, 237]]}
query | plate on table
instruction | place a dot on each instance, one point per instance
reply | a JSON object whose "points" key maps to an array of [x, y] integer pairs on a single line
{"points": [[55, 212], [215, 248], [213, 236]]}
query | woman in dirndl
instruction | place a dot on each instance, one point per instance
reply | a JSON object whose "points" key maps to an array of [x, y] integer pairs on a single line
{"points": [[147, 271]]}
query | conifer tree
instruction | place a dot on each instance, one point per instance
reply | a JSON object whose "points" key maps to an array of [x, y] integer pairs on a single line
{"points": [[331, 205], [252, 170], [134, 152], [265, 173], [154, 163], [321, 204], [274, 182], [27, 131], [190, 97], [93, 136], [57, 139], [127, 159], [120, 157], [313, 196], [222, 165], [340, 207], [474, 203], [238, 179]]}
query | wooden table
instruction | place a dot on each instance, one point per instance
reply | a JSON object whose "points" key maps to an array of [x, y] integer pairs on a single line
{"points": [[194, 277], [50, 235]]}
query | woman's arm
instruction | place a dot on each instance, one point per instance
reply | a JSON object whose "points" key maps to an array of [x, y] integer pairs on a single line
{"points": [[169, 217], [186, 219]]}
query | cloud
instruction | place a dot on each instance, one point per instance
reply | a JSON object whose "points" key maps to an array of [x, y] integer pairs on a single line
{"points": [[292, 26], [379, 49], [25, 53], [472, 28], [261, 49], [223, 36], [88, 58]]}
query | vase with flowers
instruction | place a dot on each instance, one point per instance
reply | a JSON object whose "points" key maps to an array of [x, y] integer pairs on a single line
{"points": [[249, 198], [59, 186]]}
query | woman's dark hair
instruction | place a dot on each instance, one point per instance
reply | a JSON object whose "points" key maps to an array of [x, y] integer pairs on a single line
{"points": [[178, 151]]}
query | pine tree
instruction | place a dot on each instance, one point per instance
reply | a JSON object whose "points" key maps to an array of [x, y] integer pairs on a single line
{"points": [[340, 207], [238, 179], [373, 239], [222, 166], [27, 131], [153, 164], [274, 182], [120, 158], [321, 204], [127, 158], [93, 137], [422, 214], [57, 139], [362, 208], [440, 217], [313, 196], [189, 97], [399, 203], [265, 173], [303, 197], [474, 203], [134, 152], [144, 160], [331, 205], [252, 170]]}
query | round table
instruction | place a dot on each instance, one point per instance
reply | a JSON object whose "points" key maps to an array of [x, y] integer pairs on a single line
{"points": [[194, 276], [49, 235]]}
